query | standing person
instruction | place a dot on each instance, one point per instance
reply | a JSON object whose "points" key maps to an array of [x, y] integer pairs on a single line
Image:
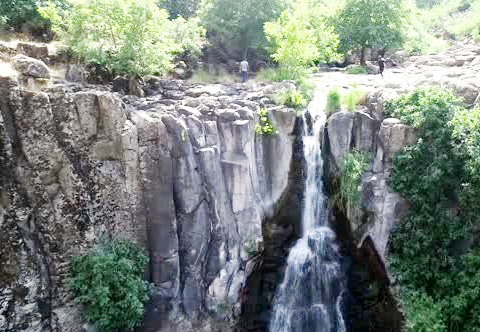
{"points": [[244, 70], [381, 64]]}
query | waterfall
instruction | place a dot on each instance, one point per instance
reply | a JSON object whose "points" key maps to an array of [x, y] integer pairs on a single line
{"points": [[310, 297]]}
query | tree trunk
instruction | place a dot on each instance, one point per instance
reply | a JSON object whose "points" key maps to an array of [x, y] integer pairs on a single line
{"points": [[362, 57]]}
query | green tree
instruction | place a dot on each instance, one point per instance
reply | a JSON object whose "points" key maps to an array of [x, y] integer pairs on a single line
{"points": [[240, 23], [125, 36], [23, 15], [370, 23], [301, 36]]}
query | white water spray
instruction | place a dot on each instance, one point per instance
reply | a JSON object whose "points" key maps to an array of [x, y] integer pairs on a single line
{"points": [[309, 298]]}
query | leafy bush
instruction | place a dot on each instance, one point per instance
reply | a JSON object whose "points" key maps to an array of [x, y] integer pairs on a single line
{"points": [[422, 313], [355, 70], [351, 170], [264, 127], [124, 36], [439, 175], [108, 283], [333, 101]]}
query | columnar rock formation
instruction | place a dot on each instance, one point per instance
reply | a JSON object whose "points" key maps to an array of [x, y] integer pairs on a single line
{"points": [[182, 172]]}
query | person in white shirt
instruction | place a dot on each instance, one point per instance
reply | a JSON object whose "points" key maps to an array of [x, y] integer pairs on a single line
{"points": [[244, 70]]}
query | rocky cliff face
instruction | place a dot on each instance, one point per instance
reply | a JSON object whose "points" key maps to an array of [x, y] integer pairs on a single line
{"points": [[182, 172]]}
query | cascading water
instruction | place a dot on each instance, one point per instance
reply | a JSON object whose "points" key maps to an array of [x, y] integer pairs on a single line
{"points": [[310, 296]]}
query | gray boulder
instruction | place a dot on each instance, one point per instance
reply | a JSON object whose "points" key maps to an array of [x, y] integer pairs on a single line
{"points": [[31, 67], [32, 50], [76, 73]]}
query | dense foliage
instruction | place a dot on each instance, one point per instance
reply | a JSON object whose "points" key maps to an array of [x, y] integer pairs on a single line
{"points": [[176, 8], [125, 36], [108, 283], [239, 24], [370, 23], [23, 16], [459, 18], [440, 177], [301, 37]]}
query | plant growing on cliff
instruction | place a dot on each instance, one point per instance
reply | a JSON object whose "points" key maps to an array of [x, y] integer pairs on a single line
{"points": [[439, 175], [264, 126], [108, 282], [353, 98], [333, 101], [351, 170], [124, 36], [289, 98]]}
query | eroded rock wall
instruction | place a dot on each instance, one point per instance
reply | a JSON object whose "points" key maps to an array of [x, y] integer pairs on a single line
{"points": [[182, 172], [364, 228]]}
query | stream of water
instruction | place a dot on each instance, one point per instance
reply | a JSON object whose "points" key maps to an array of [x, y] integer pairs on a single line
{"points": [[310, 297]]}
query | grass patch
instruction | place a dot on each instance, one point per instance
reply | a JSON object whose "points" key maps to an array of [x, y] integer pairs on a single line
{"points": [[345, 101], [333, 101], [353, 98], [221, 76], [356, 70], [279, 74]]}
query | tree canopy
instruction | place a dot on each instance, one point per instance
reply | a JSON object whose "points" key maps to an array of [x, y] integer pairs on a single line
{"points": [[125, 36], [240, 22], [301, 36], [370, 23]]}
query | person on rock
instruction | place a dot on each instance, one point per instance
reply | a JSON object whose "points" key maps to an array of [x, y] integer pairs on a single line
{"points": [[381, 64], [244, 70], [381, 60]]}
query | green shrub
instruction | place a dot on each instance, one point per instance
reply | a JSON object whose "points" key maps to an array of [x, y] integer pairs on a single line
{"points": [[439, 175], [422, 313], [264, 127], [125, 36], [355, 70], [333, 101], [351, 170], [108, 283]]}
